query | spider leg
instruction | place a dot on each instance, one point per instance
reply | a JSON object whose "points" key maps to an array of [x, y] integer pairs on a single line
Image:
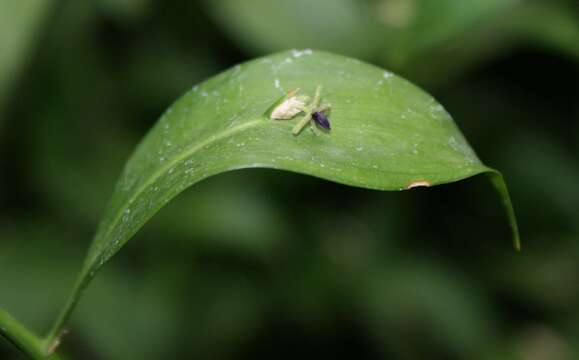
{"points": [[323, 108], [316, 101], [293, 92], [302, 123], [314, 128]]}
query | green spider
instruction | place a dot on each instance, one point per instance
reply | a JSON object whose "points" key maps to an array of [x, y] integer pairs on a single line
{"points": [[314, 112]]}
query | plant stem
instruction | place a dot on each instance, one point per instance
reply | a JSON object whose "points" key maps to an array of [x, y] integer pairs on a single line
{"points": [[53, 337], [24, 339]]}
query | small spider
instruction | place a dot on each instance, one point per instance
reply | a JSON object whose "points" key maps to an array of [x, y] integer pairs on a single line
{"points": [[294, 104], [314, 112]]}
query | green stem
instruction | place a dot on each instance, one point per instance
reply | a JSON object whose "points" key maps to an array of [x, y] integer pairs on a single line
{"points": [[24, 339], [57, 330]]}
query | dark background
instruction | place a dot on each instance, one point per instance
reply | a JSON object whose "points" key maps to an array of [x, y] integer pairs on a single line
{"points": [[265, 264]]}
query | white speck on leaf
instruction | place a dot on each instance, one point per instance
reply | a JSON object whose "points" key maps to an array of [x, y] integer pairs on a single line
{"points": [[387, 75], [299, 53], [418, 183], [437, 111], [276, 83]]}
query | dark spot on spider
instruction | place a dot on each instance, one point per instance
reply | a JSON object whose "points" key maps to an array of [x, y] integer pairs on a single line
{"points": [[321, 119]]}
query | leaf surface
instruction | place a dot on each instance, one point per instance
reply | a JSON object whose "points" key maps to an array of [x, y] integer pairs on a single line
{"points": [[387, 134]]}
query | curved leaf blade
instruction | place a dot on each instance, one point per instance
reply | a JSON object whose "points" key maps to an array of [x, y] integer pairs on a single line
{"points": [[387, 134]]}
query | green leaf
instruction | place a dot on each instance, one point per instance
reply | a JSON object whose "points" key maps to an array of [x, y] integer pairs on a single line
{"points": [[543, 24], [397, 30], [19, 22], [343, 26], [554, 25], [453, 36], [387, 134], [415, 27]]}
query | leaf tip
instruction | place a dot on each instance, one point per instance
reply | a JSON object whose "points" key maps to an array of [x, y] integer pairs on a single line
{"points": [[517, 243], [500, 185]]}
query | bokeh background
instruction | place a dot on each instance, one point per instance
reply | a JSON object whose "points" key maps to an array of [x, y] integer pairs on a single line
{"points": [[265, 264]]}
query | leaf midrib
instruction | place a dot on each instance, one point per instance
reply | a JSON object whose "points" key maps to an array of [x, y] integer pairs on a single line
{"points": [[177, 159]]}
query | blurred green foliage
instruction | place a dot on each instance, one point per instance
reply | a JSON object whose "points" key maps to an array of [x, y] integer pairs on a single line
{"points": [[265, 264], [19, 23]]}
